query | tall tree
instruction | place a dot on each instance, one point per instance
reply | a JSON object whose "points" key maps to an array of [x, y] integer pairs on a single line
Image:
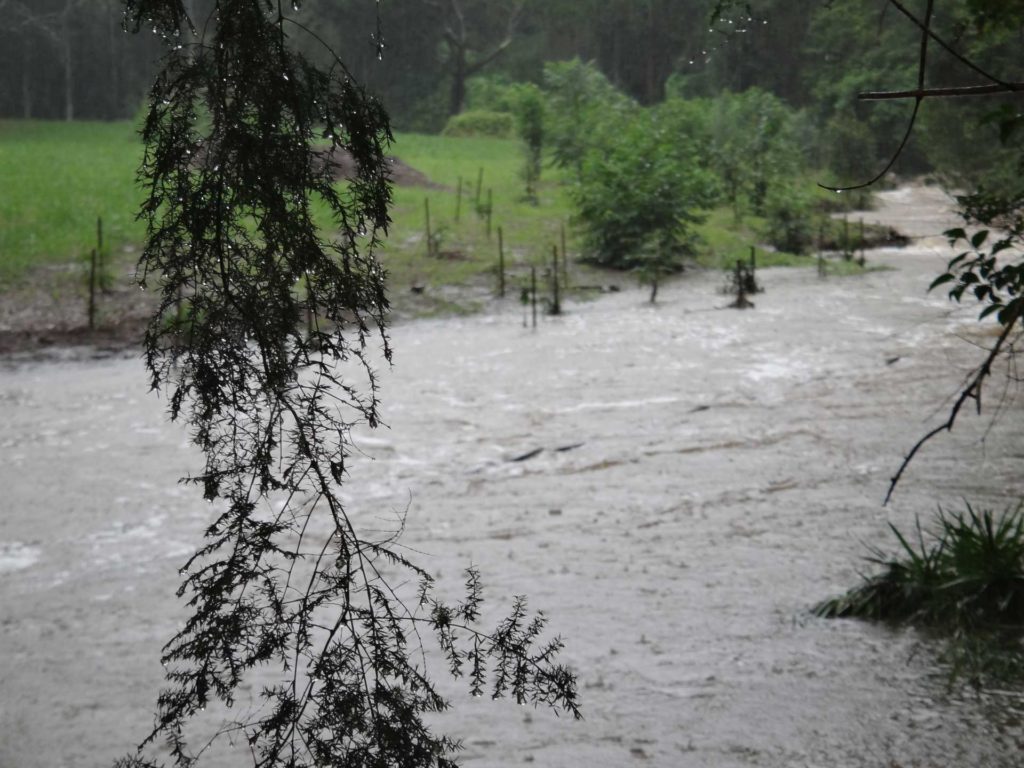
{"points": [[233, 171], [475, 33]]}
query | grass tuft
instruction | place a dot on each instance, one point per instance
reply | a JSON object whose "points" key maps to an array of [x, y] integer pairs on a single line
{"points": [[965, 580]]}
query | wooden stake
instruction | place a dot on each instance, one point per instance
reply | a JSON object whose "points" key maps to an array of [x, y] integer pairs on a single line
{"points": [[310, 309], [479, 186], [565, 261], [533, 294], [501, 264], [490, 208], [556, 304], [92, 291], [458, 200], [863, 259], [430, 240], [100, 265]]}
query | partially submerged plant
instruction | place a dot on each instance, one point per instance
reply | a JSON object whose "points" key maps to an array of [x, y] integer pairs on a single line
{"points": [[969, 574], [965, 580]]}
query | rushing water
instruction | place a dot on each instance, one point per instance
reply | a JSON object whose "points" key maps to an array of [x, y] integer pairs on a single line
{"points": [[721, 473]]}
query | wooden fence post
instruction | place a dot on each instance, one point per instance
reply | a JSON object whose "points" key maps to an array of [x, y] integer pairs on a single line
{"points": [[533, 294], [430, 239], [490, 209], [92, 290], [501, 264], [556, 303]]}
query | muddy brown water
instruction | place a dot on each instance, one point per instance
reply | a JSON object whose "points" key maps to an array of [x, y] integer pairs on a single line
{"points": [[728, 468]]}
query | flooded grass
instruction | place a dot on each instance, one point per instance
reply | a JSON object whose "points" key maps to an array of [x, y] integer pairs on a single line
{"points": [[61, 177]]}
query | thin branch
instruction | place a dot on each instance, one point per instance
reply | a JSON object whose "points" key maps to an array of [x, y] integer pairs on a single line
{"points": [[926, 93], [892, 160], [971, 392], [926, 29], [921, 67]]}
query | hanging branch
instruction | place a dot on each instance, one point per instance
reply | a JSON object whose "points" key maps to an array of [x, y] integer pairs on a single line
{"points": [[971, 392], [233, 170], [952, 91], [921, 67]]}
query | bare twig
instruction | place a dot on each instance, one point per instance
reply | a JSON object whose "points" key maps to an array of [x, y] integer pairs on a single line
{"points": [[926, 93], [971, 392], [926, 29]]}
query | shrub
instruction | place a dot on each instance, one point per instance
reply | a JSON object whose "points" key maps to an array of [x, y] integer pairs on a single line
{"points": [[497, 125], [491, 93], [965, 579], [580, 102], [641, 191], [967, 574], [789, 219], [529, 114]]}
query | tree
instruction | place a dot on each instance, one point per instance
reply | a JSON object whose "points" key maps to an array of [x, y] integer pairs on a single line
{"points": [[473, 38], [580, 100], [643, 185], [528, 107], [56, 26], [753, 145], [234, 171]]}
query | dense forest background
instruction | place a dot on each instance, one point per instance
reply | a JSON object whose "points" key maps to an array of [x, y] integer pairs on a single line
{"points": [[69, 59]]}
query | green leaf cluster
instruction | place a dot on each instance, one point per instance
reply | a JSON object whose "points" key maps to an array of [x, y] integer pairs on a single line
{"points": [[643, 185]]}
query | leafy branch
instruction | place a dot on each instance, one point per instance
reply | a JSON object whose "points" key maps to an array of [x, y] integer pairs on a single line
{"points": [[236, 186], [997, 285]]}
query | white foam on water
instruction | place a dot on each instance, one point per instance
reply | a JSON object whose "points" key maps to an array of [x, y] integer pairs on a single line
{"points": [[14, 556]]}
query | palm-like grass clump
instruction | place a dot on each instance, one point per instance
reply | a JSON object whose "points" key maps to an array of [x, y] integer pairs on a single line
{"points": [[965, 580]]}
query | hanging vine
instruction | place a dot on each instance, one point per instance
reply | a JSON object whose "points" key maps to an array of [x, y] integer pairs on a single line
{"points": [[260, 313]]}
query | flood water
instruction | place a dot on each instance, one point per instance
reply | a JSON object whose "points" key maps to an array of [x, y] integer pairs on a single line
{"points": [[726, 469]]}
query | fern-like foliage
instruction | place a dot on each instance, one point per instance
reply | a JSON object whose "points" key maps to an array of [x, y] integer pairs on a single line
{"points": [[260, 315]]}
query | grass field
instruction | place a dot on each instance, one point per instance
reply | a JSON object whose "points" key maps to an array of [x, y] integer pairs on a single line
{"points": [[58, 178]]}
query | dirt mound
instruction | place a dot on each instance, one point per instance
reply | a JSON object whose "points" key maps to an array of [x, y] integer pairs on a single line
{"points": [[400, 173]]}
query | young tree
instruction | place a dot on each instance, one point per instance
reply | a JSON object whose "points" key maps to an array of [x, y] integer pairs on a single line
{"points": [[528, 107], [643, 185], [580, 100], [233, 168]]}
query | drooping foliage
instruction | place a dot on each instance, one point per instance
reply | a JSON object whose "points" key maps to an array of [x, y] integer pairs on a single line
{"points": [[263, 344]]}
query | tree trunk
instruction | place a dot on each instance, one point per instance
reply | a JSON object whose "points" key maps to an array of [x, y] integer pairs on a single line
{"points": [[69, 83], [26, 83], [115, 73], [458, 93]]}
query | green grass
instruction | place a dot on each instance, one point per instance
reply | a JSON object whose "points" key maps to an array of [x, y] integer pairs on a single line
{"points": [[56, 179], [467, 254]]}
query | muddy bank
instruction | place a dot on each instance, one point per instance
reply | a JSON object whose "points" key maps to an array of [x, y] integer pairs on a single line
{"points": [[726, 469]]}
